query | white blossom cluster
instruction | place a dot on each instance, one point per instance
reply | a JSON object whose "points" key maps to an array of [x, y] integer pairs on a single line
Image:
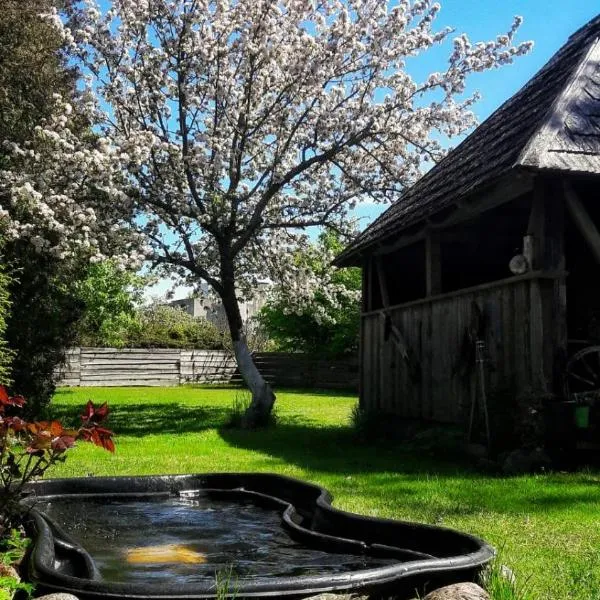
{"points": [[304, 283], [240, 121], [63, 192]]}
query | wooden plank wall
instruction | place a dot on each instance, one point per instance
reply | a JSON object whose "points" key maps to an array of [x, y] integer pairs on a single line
{"points": [[70, 373], [284, 369], [145, 367], [125, 367], [518, 336], [208, 366], [165, 367]]}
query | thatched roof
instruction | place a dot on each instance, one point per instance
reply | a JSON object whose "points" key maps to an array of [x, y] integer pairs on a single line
{"points": [[552, 123]]}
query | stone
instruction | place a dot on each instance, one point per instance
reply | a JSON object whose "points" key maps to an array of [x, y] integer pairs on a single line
{"points": [[57, 596], [9, 571], [459, 591]]}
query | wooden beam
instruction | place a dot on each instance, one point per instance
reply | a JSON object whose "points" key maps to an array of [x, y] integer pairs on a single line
{"points": [[365, 285], [582, 220], [510, 187], [549, 276], [533, 242], [433, 265], [385, 297], [554, 226], [369, 283]]}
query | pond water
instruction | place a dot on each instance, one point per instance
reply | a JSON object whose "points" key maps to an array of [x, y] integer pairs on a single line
{"points": [[188, 540]]}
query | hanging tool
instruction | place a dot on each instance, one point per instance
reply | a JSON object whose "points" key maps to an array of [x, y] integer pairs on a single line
{"points": [[480, 360]]}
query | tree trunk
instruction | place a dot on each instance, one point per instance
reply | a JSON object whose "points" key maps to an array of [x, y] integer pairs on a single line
{"points": [[263, 398]]}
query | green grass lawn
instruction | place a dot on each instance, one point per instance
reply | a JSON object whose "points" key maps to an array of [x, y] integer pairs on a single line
{"points": [[547, 527]]}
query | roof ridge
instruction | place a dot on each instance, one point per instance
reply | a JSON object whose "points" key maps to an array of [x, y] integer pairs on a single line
{"points": [[595, 22]]}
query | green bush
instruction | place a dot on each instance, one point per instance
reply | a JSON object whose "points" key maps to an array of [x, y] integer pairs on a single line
{"points": [[161, 326], [42, 322]]}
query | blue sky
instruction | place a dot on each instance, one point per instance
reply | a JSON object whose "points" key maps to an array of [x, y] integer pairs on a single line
{"points": [[547, 22]]}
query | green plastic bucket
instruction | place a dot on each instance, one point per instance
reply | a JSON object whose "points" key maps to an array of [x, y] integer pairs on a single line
{"points": [[582, 417]]}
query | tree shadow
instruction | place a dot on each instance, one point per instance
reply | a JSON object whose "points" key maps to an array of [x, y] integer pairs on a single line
{"points": [[318, 392], [420, 482], [334, 449], [148, 419]]}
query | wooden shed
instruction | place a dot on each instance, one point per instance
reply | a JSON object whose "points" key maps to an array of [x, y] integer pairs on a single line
{"points": [[497, 244]]}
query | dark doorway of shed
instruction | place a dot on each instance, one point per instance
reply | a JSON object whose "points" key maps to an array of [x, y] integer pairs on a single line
{"points": [[479, 251], [471, 253], [404, 272], [583, 289]]}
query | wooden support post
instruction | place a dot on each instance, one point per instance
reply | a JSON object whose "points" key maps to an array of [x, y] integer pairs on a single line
{"points": [[553, 256], [433, 266], [548, 304], [383, 288], [582, 220], [367, 305], [533, 242]]}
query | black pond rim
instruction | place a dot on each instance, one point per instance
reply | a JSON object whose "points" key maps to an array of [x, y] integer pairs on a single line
{"points": [[48, 539]]}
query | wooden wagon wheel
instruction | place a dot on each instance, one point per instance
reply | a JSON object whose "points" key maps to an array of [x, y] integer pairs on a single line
{"points": [[583, 370]]}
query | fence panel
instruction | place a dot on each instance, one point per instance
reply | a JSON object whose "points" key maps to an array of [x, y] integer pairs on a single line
{"points": [[165, 367]]}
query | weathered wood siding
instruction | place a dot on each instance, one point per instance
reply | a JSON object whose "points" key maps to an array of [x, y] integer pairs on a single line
{"points": [[284, 369], [145, 367], [138, 366], [208, 366], [70, 372], [520, 338], [164, 367]]}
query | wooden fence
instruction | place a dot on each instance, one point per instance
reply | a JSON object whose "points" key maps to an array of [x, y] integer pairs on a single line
{"points": [[165, 367], [138, 366], [306, 371]]}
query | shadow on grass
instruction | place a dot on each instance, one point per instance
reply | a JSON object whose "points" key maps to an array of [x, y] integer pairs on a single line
{"points": [[149, 419], [403, 480], [318, 392], [335, 449], [437, 486]]}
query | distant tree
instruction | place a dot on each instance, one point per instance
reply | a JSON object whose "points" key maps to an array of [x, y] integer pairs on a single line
{"points": [[322, 318], [110, 295]]}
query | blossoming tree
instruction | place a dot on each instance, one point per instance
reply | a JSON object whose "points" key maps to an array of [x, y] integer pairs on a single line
{"points": [[242, 122]]}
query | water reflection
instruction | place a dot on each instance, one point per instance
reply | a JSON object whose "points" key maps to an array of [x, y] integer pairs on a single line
{"points": [[169, 553], [207, 535]]}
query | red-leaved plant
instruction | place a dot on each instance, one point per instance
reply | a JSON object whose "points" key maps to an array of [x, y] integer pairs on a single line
{"points": [[28, 449]]}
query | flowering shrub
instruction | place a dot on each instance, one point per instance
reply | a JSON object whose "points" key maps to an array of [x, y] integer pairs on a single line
{"points": [[29, 449]]}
